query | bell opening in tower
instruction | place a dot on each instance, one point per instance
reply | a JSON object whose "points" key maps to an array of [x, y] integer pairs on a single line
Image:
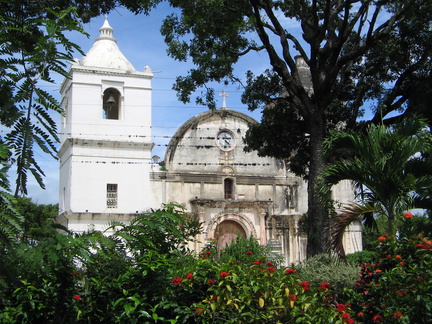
{"points": [[111, 104]]}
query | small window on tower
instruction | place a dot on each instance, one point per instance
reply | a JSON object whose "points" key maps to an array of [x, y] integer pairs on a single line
{"points": [[228, 188], [112, 195], [111, 104]]}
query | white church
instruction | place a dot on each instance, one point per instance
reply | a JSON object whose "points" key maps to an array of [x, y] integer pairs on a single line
{"points": [[108, 172]]}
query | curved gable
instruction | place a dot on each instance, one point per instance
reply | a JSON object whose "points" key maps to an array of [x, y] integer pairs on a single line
{"points": [[195, 147]]}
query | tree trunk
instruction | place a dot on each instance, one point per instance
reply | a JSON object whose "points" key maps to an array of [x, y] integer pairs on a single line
{"points": [[316, 216]]}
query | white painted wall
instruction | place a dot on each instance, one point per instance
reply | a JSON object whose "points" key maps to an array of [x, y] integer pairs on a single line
{"points": [[96, 151]]}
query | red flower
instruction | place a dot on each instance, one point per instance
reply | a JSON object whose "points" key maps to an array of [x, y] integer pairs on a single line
{"points": [[422, 246], [249, 253], [398, 256], [402, 263], [402, 292], [378, 270], [211, 281], [223, 274], [341, 308], [381, 239], [208, 253], [203, 258], [397, 315], [74, 273], [270, 269], [189, 275], [408, 215], [289, 271], [292, 297], [324, 286], [176, 281], [345, 316], [361, 314], [77, 297], [269, 264], [305, 285], [350, 321], [198, 310], [256, 262], [377, 319]]}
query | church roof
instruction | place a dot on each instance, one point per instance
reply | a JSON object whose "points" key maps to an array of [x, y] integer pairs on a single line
{"points": [[201, 118], [105, 53]]}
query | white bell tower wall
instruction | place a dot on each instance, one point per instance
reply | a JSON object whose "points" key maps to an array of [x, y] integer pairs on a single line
{"points": [[106, 143]]}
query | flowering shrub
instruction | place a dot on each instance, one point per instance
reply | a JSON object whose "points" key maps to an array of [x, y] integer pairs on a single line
{"points": [[257, 292], [397, 288]]}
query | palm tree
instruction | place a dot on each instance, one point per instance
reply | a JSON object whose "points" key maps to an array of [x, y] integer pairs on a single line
{"points": [[382, 162]]}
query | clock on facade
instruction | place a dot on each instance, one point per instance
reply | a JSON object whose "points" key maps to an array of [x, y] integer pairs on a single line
{"points": [[225, 140]]}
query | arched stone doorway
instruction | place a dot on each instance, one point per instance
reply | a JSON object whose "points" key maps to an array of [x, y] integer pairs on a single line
{"points": [[226, 232]]}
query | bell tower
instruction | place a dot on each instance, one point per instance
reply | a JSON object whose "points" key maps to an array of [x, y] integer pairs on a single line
{"points": [[106, 143]]}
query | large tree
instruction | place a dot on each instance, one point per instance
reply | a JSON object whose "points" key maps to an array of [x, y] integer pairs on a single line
{"points": [[359, 53]]}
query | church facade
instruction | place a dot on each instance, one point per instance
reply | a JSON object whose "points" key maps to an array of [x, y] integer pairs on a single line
{"points": [[107, 171]]}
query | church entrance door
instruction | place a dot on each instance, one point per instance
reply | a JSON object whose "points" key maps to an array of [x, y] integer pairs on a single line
{"points": [[226, 232]]}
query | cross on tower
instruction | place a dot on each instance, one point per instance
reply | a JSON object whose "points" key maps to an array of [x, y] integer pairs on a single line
{"points": [[224, 95]]}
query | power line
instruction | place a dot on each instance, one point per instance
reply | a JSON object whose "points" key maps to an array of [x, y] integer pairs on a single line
{"points": [[249, 164]]}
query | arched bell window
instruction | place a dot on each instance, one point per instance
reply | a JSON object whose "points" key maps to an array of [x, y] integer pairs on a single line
{"points": [[228, 188], [111, 104]]}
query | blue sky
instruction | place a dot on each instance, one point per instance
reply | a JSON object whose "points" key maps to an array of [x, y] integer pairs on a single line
{"points": [[138, 37]]}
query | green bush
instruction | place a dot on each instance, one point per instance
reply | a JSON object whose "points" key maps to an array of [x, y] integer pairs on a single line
{"points": [[325, 267], [237, 251], [364, 256]]}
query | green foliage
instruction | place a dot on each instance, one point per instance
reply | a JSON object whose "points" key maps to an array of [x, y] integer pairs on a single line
{"points": [[34, 302], [45, 284], [10, 220], [163, 230], [241, 249], [364, 256], [396, 288], [137, 295], [32, 222], [125, 277], [254, 292], [331, 269], [92, 278], [381, 162], [33, 47], [280, 123]]}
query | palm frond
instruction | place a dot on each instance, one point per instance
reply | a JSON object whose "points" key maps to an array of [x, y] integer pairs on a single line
{"points": [[343, 219], [383, 160]]}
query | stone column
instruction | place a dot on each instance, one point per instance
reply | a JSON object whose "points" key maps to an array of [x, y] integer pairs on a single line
{"points": [[261, 217]]}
